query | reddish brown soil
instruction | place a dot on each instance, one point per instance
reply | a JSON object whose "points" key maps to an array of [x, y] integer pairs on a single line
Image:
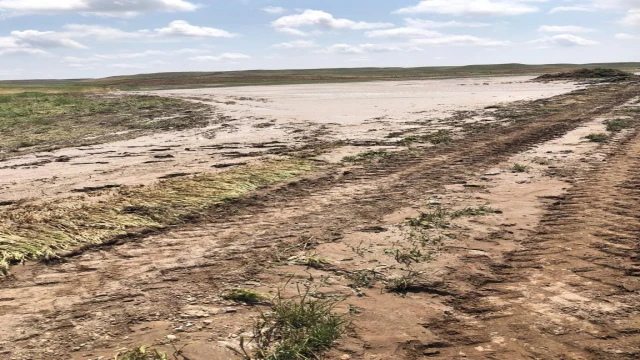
{"points": [[558, 282]]}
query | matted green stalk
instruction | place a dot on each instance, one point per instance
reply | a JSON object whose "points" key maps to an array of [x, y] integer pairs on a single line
{"points": [[34, 231]]}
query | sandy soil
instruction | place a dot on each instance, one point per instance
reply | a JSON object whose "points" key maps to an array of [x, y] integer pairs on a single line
{"points": [[551, 274], [254, 122]]}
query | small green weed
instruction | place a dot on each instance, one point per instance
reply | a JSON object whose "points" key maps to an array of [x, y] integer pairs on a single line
{"points": [[409, 256], [250, 297], [598, 138], [141, 353], [395, 134], [404, 283], [363, 278], [431, 220], [474, 211], [439, 137], [316, 262], [359, 250], [295, 329], [440, 218], [541, 161], [366, 156], [519, 168], [617, 125]]}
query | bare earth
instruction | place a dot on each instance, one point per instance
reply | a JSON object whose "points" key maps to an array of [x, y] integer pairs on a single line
{"points": [[553, 274], [253, 122]]}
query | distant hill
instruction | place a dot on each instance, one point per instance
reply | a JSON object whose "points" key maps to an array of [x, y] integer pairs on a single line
{"points": [[269, 77]]}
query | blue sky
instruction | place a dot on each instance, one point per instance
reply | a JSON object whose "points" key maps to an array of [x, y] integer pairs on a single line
{"points": [[95, 38]]}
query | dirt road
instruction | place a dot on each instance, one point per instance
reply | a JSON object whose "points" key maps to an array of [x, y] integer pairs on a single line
{"points": [[551, 275]]}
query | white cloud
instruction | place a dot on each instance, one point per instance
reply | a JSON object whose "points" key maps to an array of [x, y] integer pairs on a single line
{"points": [[418, 28], [127, 66], [632, 18], [343, 49], [274, 10], [120, 8], [290, 24], [461, 40], [45, 39], [564, 29], [292, 31], [429, 24], [136, 55], [31, 42], [223, 57], [183, 28], [102, 32], [12, 46], [570, 9], [403, 32], [365, 48], [469, 7], [623, 36], [177, 28], [299, 44], [564, 40]]}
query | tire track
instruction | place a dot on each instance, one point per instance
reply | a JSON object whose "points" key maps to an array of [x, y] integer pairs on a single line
{"points": [[573, 291]]}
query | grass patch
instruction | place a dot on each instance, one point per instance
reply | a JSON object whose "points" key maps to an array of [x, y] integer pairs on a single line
{"points": [[617, 125], [408, 256], [363, 278], [611, 75], [440, 218], [366, 156], [141, 353], [435, 219], [439, 137], [46, 230], [47, 121], [474, 211], [402, 284], [315, 262], [598, 138], [295, 329], [249, 297], [520, 168]]}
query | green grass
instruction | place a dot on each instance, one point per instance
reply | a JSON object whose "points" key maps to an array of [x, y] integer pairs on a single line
{"points": [[402, 284], [45, 121], [315, 262], [436, 138], [141, 353], [366, 156], [617, 125], [519, 168], [249, 297], [295, 329], [363, 278], [474, 211], [46, 230], [598, 138], [440, 218], [435, 219]]}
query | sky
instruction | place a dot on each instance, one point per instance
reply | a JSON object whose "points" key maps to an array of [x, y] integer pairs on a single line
{"points": [[99, 38]]}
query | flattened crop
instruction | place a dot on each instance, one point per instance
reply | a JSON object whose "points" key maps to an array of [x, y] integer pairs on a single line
{"points": [[32, 231]]}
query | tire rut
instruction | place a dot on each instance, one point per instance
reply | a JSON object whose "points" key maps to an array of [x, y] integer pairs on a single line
{"points": [[572, 292]]}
